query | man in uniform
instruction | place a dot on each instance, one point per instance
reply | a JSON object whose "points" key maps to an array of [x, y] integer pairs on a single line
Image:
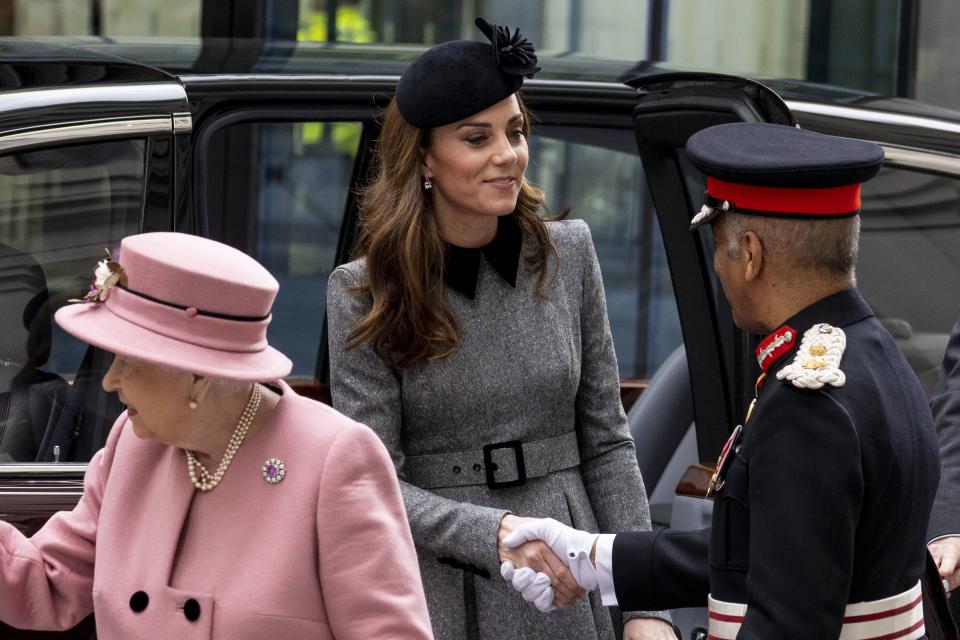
{"points": [[823, 495]]}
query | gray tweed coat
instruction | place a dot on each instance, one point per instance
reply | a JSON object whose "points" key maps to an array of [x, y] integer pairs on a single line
{"points": [[526, 369]]}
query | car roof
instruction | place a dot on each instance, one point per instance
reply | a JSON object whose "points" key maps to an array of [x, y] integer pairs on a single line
{"points": [[56, 61]]}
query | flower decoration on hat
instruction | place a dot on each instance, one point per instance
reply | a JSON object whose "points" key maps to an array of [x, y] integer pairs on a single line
{"points": [[514, 53], [107, 275]]}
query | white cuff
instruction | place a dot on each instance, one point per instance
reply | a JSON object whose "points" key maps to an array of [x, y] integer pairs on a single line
{"points": [[604, 557]]}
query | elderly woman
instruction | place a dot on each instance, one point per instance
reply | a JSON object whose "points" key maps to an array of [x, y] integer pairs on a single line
{"points": [[472, 336], [223, 505]]}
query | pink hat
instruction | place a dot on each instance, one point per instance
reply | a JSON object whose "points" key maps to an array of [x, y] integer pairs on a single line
{"points": [[184, 302]]}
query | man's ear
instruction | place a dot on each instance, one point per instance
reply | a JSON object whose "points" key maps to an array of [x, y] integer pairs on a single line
{"points": [[751, 256]]}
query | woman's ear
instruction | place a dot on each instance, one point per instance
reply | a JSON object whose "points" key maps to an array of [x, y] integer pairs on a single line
{"points": [[426, 163], [201, 386]]}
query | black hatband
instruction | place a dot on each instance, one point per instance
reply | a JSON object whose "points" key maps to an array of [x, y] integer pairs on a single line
{"points": [[200, 312]]}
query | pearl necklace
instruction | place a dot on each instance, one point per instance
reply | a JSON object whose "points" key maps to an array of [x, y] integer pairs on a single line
{"points": [[207, 480]]}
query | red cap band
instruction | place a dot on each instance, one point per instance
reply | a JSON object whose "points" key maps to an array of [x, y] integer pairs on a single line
{"points": [[814, 202]]}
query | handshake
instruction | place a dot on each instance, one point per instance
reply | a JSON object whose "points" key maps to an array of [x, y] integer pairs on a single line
{"points": [[549, 578]]}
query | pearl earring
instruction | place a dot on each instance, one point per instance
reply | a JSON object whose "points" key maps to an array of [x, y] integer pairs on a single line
{"points": [[427, 184], [193, 404]]}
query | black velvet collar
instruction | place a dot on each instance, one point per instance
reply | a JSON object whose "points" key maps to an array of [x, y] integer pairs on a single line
{"points": [[462, 264]]}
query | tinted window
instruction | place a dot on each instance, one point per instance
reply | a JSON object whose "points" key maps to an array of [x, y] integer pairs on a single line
{"points": [[598, 175], [909, 258], [59, 209], [278, 191]]}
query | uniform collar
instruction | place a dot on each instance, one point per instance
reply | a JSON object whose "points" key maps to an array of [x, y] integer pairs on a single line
{"points": [[462, 264], [839, 309]]}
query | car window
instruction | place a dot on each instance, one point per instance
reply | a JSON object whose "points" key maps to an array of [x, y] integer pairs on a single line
{"points": [[597, 174], [909, 257], [278, 191], [60, 208]]}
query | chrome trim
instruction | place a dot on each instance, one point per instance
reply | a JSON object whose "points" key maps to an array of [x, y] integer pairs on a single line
{"points": [[20, 469], [182, 123], [581, 84], [85, 131], [142, 92], [868, 115], [924, 160], [37, 494], [304, 77], [283, 77]]}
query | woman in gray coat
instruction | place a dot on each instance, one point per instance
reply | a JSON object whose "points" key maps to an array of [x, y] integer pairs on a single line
{"points": [[472, 336]]}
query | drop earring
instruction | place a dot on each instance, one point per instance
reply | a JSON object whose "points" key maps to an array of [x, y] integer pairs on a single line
{"points": [[193, 404], [427, 184]]}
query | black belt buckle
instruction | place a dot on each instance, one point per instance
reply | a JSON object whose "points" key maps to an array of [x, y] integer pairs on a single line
{"points": [[489, 466]]}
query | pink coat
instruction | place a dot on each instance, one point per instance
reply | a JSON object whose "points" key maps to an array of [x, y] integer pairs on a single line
{"points": [[325, 553]]}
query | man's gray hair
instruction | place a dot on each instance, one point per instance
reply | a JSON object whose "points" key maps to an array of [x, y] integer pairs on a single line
{"points": [[827, 248]]}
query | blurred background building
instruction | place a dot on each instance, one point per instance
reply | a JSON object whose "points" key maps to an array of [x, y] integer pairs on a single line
{"points": [[890, 47]]}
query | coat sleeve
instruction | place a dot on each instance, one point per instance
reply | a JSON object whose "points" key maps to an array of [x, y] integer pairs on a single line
{"points": [[608, 460], [945, 404], [368, 565], [806, 491], [367, 389], [46, 581], [661, 569]]}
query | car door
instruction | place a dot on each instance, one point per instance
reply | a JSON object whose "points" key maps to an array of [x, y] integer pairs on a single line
{"points": [[909, 240], [91, 150], [670, 108], [279, 179], [701, 391]]}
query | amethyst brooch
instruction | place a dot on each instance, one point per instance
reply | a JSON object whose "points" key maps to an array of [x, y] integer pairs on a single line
{"points": [[273, 470]]}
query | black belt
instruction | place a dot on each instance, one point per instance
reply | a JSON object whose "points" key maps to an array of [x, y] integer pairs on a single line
{"points": [[498, 465]]}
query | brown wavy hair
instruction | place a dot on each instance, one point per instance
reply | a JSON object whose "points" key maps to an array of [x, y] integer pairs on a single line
{"points": [[410, 320]]}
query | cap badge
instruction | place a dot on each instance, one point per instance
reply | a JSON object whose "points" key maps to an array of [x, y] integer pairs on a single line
{"points": [[273, 470], [705, 212], [818, 359]]}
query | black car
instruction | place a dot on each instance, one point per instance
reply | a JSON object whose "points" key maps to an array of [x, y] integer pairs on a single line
{"points": [[263, 147]]}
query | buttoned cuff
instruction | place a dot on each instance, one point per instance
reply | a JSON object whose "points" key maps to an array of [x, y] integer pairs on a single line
{"points": [[604, 557]]}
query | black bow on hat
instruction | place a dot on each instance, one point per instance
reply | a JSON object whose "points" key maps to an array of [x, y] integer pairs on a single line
{"points": [[457, 79]]}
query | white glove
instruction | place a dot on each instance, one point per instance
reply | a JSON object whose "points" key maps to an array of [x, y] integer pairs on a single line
{"points": [[532, 585], [570, 545]]}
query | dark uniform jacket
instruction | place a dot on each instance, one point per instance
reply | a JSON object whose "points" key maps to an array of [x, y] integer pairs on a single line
{"points": [[825, 502]]}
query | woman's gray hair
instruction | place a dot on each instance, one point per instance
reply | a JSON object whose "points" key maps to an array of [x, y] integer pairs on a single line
{"points": [[224, 387], [828, 247], [228, 387]]}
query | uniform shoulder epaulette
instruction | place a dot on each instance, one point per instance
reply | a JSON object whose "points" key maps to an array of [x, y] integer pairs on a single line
{"points": [[818, 359]]}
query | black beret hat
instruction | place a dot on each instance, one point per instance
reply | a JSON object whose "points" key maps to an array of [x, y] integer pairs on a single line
{"points": [[776, 170], [457, 79]]}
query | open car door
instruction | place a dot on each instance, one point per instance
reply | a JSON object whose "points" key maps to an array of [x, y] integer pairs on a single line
{"points": [[718, 363]]}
